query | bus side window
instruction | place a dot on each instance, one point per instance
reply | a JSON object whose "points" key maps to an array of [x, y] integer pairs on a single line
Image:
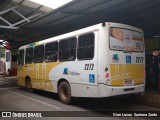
{"points": [[8, 56], [85, 47], [67, 49], [39, 54], [21, 58], [51, 50], [29, 55]]}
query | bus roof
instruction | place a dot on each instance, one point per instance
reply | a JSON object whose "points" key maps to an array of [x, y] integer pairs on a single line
{"points": [[63, 36], [79, 32]]}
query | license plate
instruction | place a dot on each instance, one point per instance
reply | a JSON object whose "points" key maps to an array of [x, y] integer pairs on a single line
{"points": [[128, 82]]}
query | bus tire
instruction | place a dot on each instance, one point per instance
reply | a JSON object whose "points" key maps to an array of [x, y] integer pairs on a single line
{"points": [[28, 85], [64, 92]]}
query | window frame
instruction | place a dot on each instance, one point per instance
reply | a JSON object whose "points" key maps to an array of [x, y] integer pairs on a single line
{"points": [[8, 56], [34, 53], [74, 38], [109, 31], [52, 51], [86, 46], [23, 57]]}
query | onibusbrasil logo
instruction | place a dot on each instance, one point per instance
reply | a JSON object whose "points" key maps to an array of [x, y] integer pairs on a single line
{"points": [[21, 114]]}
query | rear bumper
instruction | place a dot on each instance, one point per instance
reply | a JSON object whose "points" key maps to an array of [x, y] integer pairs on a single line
{"points": [[106, 91]]}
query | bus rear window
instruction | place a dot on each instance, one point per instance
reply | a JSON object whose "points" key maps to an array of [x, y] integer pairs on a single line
{"points": [[124, 39]]}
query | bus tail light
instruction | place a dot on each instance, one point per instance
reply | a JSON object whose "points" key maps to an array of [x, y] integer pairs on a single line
{"points": [[107, 75], [106, 69]]}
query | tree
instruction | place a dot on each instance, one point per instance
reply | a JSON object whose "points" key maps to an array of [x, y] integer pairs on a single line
{"points": [[2, 52]]}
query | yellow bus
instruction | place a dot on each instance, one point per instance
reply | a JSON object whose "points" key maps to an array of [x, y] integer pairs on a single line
{"points": [[102, 60]]}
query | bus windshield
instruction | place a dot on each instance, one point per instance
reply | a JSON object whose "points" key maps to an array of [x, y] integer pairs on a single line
{"points": [[125, 40]]}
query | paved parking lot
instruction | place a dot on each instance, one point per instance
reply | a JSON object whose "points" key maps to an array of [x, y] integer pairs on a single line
{"points": [[8, 83], [13, 98]]}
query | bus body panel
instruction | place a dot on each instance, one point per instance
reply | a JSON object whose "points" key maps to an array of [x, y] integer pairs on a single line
{"points": [[112, 91], [79, 73], [5, 63], [8, 61], [121, 74], [89, 78]]}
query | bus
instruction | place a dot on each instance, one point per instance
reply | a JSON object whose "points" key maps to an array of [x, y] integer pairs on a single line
{"points": [[5, 62], [102, 60]]}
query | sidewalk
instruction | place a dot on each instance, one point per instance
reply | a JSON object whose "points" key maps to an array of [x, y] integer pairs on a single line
{"points": [[149, 98], [9, 78]]}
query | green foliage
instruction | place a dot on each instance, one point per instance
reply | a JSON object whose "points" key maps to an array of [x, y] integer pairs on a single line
{"points": [[2, 52]]}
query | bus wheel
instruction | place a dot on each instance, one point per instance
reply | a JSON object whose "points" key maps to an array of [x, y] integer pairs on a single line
{"points": [[28, 85], [64, 92]]}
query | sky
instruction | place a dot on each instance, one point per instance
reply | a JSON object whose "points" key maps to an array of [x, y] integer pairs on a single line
{"points": [[52, 3]]}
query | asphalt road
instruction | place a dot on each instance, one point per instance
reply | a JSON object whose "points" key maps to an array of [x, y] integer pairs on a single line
{"points": [[47, 104]]}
